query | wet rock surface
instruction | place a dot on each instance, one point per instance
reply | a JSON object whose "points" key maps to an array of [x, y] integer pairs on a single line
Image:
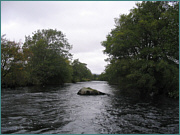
{"points": [[89, 91]]}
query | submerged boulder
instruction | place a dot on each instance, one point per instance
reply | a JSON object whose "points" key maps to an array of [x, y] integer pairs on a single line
{"points": [[89, 91]]}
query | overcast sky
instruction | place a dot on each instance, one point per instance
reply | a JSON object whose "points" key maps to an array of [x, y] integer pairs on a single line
{"points": [[85, 24]]}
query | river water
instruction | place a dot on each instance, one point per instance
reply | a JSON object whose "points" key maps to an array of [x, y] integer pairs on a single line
{"points": [[59, 110]]}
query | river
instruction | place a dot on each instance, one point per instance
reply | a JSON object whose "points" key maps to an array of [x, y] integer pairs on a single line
{"points": [[59, 110]]}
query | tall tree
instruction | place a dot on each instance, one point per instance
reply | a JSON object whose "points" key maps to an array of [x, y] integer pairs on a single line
{"points": [[48, 57], [13, 72], [144, 49]]}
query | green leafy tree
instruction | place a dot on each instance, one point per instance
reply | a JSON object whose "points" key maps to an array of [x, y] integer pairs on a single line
{"points": [[13, 71], [144, 49], [47, 53], [103, 77], [95, 77], [80, 71]]}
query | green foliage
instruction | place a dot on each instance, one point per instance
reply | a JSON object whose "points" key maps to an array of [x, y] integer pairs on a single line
{"points": [[80, 71], [48, 57], [144, 49], [12, 64], [95, 77], [43, 59], [103, 77]]}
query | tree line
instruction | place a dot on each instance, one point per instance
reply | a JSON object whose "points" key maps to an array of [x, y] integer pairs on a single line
{"points": [[43, 59], [143, 50]]}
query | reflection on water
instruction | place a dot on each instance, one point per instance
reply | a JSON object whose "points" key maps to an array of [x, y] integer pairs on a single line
{"points": [[59, 110]]}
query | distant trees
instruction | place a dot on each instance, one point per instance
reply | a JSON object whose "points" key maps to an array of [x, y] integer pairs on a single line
{"points": [[143, 49], [43, 59], [80, 71], [103, 77]]}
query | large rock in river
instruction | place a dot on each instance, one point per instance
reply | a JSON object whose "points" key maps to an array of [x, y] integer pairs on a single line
{"points": [[89, 91]]}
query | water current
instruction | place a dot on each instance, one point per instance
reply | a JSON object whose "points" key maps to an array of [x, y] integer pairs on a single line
{"points": [[59, 110]]}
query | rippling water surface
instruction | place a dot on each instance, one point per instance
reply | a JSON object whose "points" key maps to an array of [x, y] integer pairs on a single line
{"points": [[59, 110]]}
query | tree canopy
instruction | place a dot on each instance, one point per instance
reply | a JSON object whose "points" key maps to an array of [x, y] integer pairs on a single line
{"points": [[143, 49], [12, 63], [43, 59], [80, 71], [49, 57]]}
